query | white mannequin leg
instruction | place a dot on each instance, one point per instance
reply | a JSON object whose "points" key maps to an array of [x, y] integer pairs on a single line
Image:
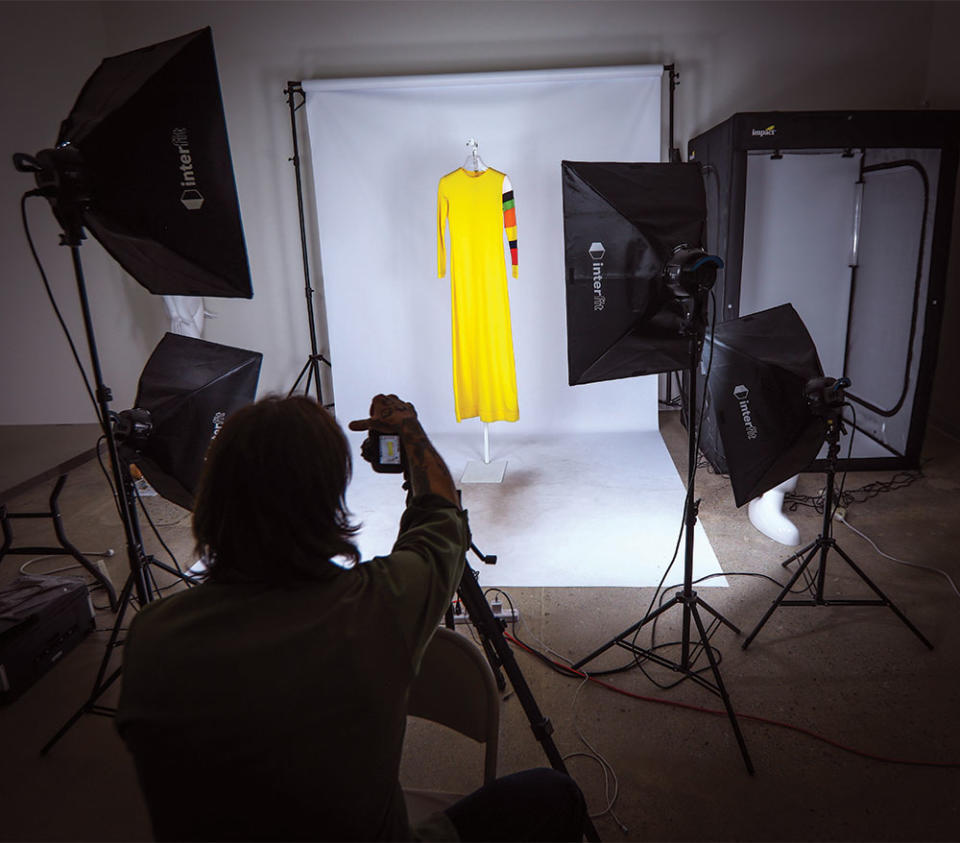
{"points": [[766, 514]]}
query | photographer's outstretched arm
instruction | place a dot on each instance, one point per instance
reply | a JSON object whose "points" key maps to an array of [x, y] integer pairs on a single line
{"points": [[426, 471]]}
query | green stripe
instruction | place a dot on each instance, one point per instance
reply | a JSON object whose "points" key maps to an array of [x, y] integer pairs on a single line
{"points": [[508, 205]]}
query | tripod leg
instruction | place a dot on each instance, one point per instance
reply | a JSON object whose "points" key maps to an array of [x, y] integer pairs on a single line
{"points": [[717, 615], [99, 686], [783, 593], [882, 596], [296, 383], [798, 554], [673, 601], [484, 621], [722, 689]]}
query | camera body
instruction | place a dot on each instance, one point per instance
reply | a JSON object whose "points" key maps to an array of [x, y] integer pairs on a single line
{"points": [[386, 453]]}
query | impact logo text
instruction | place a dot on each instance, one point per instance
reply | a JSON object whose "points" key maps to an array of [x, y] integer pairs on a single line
{"points": [[769, 132]]}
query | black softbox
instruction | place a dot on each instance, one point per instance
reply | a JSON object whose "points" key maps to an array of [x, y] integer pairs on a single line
{"points": [[147, 140], [621, 224], [189, 387], [759, 368]]}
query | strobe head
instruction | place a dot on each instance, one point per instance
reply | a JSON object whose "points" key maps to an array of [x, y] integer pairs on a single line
{"points": [[690, 271], [688, 276], [61, 177], [133, 429], [826, 396]]}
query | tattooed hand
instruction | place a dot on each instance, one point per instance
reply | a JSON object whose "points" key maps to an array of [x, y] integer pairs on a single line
{"points": [[427, 473], [388, 414]]}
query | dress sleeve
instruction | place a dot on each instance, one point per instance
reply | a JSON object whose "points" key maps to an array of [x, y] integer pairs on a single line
{"points": [[510, 223], [443, 208]]}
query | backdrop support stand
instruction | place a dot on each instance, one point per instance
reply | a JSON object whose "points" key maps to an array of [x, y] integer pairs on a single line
{"points": [[687, 598], [822, 546], [311, 369]]}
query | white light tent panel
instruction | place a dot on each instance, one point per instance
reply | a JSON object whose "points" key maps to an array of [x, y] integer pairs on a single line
{"points": [[810, 231], [379, 147]]}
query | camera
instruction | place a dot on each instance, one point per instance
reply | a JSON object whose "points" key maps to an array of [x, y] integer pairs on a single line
{"points": [[385, 453]]}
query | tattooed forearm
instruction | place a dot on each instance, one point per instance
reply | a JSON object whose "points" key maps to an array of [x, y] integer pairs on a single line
{"points": [[427, 471]]}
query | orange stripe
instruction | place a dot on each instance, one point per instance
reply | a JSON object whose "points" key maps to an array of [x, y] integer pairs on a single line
{"points": [[509, 218]]}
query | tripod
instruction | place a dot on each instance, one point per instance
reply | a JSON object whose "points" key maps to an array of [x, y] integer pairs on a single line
{"points": [[499, 655], [824, 543], [687, 598], [311, 369]]}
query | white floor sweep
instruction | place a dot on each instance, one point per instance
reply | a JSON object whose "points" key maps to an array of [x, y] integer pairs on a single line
{"points": [[572, 510]]}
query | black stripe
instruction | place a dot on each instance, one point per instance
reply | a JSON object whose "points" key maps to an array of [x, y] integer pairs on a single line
{"points": [[513, 244], [508, 196]]}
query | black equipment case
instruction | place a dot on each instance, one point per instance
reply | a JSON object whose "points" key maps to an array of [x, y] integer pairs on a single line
{"points": [[41, 619]]}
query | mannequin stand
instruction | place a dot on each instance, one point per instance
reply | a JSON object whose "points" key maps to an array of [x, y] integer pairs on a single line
{"points": [[488, 471]]}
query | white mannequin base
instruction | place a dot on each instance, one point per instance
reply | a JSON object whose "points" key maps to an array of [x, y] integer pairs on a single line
{"points": [[766, 514], [484, 472]]}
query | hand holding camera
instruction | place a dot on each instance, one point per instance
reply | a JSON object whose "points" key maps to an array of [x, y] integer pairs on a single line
{"points": [[383, 448]]}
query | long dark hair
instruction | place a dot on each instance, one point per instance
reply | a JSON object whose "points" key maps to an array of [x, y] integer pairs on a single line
{"points": [[270, 506]]}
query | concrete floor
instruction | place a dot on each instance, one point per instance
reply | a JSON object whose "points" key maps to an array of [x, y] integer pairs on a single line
{"points": [[854, 675]]}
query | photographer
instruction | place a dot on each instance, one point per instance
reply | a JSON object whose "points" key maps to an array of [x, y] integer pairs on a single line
{"points": [[269, 703]]}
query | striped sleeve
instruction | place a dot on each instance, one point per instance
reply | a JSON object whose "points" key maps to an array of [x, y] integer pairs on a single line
{"points": [[510, 223]]}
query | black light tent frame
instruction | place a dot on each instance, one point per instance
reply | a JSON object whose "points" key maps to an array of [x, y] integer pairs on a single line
{"points": [[723, 152]]}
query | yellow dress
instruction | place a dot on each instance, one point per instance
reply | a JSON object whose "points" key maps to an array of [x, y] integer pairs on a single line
{"points": [[479, 208]]}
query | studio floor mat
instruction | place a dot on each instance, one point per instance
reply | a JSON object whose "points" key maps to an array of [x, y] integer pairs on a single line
{"points": [[595, 509]]}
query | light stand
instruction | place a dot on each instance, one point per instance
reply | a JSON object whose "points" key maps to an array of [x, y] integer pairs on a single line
{"points": [[139, 561], [826, 397], [142, 163], [687, 598], [311, 369]]}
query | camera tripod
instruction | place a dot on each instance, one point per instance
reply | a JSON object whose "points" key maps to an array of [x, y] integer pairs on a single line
{"points": [[499, 655], [825, 542]]}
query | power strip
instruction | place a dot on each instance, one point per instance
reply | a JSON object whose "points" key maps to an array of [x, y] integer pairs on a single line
{"points": [[509, 616]]}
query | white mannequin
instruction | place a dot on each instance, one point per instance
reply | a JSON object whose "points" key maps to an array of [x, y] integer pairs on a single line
{"points": [[766, 514], [187, 314]]}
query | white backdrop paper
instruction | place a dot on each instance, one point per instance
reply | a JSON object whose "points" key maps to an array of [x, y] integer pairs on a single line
{"points": [[379, 148], [578, 505]]}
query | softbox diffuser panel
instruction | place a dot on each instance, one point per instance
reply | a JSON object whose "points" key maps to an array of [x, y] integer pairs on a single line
{"points": [[189, 387], [621, 223], [150, 128], [759, 366]]}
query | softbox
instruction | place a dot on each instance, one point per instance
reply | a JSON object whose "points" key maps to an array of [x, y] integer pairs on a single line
{"points": [[621, 223], [146, 147], [189, 387], [759, 367]]}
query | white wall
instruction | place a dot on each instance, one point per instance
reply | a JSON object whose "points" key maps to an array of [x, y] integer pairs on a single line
{"points": [[731, 57], [47, 52]]}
